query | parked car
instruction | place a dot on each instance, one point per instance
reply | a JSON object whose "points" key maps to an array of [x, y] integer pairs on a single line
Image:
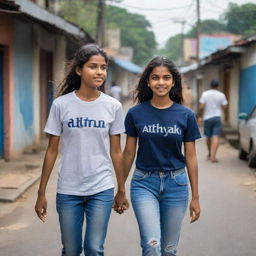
{"points": [[247, 137]]}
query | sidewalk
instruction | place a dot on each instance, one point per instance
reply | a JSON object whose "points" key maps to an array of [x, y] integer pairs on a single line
{"points": [[17, 176]]}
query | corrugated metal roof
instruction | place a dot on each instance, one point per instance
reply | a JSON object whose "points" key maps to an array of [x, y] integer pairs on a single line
{"points": [[35, 11], [128, 65]]}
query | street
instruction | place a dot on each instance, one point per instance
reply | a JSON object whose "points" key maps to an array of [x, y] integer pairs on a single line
{"points": [[227, 226]]}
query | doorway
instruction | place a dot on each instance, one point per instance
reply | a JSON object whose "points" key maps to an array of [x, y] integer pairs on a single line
{"points": [[1, 102]]}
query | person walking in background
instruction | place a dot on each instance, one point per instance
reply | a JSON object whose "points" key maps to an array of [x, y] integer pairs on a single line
{"points": [[159, 186], [85, 120], [212, 102], [116, 91]]}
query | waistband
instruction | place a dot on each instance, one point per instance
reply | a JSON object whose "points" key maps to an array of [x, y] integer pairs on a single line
{"points": [[162, 173]]}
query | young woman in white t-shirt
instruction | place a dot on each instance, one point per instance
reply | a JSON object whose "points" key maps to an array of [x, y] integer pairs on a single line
{"points": [[88, 123]]}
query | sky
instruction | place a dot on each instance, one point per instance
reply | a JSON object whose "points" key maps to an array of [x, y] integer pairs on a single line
{"points": [[165, 16]]}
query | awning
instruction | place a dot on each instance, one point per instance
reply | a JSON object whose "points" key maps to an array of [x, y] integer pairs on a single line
{"points": [[128, 65]]}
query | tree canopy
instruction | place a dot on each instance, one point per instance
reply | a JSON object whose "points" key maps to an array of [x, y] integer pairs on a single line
{"points": [[241, 19], [135, 32], [237, 19], [135, 29]]}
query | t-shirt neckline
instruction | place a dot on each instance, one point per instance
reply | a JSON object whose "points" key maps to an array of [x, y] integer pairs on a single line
{"points": [[161, 109], [86, 102]]}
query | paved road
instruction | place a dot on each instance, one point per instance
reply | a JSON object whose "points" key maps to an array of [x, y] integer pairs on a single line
{"points": [[227, 226]]}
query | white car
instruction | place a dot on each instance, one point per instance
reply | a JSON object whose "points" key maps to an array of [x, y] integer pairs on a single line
{"points": [[247, 137]]}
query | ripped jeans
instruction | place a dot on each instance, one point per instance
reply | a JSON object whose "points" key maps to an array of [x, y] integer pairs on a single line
{"points": [[159, 201]]}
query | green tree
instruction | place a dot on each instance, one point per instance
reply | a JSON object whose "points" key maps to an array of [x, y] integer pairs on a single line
{"points": [[241, 19], [207, 27], [82, 13], [135, 29], [172, 48], [135, 32]]}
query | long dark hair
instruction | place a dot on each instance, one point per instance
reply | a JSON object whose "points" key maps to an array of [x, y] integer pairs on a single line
{"points": [[144, 93], [72, 80]]}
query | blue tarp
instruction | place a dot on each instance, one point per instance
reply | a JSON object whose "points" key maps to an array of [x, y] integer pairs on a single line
{"points": [[128, 65]]}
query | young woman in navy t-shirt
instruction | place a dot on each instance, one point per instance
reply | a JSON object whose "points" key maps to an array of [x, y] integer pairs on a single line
{"points": [[159, 187]]}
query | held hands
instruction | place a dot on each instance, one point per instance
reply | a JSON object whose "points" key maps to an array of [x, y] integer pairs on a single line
{"points": [[41, 207], [121, 203], [194, 210]]}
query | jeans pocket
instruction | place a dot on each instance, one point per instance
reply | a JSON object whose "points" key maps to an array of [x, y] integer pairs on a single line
{"points": [[139, 175], [180, 177]]}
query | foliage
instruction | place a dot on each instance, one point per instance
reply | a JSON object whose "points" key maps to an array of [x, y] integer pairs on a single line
{"points": [[236, 19], [135, 29], [135, 32], [241, 19], [172, 48], [207, 27], [81, 13]]}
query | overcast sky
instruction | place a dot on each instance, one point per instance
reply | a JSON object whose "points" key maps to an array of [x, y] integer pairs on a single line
{"points": [[162, 13]]}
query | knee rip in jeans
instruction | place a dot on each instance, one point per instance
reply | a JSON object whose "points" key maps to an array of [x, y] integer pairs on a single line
{"points": [[153, 243], [170, 248]]}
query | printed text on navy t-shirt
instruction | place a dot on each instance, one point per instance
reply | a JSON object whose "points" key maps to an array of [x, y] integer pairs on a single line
{"points": [[156, 128]]}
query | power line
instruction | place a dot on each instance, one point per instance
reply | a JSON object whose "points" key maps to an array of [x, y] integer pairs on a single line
{"points": [[152, 9]]}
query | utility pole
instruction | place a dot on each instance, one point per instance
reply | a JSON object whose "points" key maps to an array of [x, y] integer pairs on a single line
{"points": [[182, 22], [198, 24], [100, 23]]}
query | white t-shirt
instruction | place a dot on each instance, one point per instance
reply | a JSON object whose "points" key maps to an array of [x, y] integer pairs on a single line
{"points": [[213, 100], [116, 92], [84, 129]]}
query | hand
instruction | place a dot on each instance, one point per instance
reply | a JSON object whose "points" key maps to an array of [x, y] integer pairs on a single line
{"points": [[121, 203], [41, 207], [194, 210]]}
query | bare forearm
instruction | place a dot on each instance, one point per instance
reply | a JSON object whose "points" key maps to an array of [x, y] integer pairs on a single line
{"points": [[192, 167], [118, 167], [49, 160], [128, 159]]}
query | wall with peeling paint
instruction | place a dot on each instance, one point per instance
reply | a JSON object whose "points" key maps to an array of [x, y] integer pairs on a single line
{"points": [[23, 90]]}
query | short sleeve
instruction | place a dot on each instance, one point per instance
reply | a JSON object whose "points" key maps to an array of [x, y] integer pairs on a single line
{"points": [[202, 100], [130, 128], [54, 125], [224, 100], [117, 126], [192, 132]]}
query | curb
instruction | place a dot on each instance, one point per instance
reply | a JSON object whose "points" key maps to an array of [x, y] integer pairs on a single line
{"points": [[10, 195]]}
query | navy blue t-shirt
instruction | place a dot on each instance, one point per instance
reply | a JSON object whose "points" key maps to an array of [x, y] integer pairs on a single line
{"points": [[160, 133]]}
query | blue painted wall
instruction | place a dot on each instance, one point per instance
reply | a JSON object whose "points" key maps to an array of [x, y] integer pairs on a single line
{"points": [[1, 107], [212, 44], [23, 88], [247, 89]]}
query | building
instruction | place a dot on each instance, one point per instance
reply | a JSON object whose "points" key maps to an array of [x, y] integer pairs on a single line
{"points": [[34, 46], [122, 70], [235, 68]]}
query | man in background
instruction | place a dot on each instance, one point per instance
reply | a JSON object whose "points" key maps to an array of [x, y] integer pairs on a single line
{"points": [[116, 91], [212, 102]]}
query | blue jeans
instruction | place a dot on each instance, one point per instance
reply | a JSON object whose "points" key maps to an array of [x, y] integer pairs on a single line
{"points": [[72, 209], [159, 201]]}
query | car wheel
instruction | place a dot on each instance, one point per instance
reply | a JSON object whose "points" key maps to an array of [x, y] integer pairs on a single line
{"points": [[252, 157], [241, 153]]}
